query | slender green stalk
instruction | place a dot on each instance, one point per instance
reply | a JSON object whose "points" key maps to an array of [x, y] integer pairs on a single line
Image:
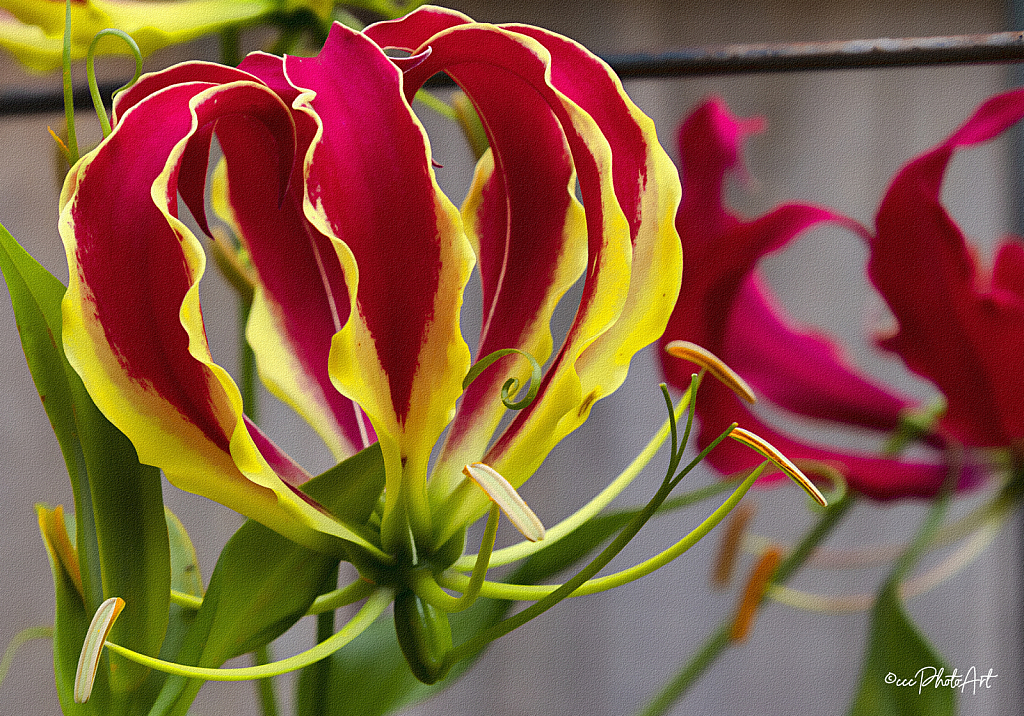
{"points": [[69, 95], [522, 550], [230, 46], [320, 677], [481, 639], [527, 592], [369, 612], [19, 640], [719, 640], [265, 687], [427, 588]]}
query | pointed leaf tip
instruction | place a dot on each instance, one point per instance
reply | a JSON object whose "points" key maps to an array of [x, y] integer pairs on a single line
{"points": [[505, 496]]}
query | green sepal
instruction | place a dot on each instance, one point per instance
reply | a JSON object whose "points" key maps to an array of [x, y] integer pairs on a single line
{"points": [[263, 583], [185, 578], [121, 533]]}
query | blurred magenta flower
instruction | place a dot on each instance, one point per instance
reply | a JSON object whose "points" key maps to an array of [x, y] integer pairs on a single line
{"points": [[725, 306], [361, 261], [960, 323]]}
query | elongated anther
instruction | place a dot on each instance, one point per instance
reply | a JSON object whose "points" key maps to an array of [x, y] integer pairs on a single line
{"points": [[729, 547], [714, 365], [765, 448], [505, 496], [92, 649], [746, 613]]}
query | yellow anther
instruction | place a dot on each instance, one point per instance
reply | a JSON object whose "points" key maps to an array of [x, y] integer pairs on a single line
{"points": [[714, 365], [765, 448], [729, 547], [505, 496], [92, 649]]}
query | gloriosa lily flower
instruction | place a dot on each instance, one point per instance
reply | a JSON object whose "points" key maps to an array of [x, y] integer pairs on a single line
{"points": [[32, 30], [960, 326], [361, 263], [725, 306]]}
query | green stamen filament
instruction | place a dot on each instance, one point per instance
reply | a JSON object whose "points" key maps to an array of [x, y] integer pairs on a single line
{"points": [[521, 592], [369, 612], [428, 589], [909, 589], [524, 549]]}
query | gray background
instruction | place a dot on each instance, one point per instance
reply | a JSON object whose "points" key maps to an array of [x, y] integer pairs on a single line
{"points": [[834, 138]]}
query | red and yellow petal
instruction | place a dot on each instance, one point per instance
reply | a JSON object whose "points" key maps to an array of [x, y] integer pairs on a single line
{"points": [[133, 325], [370, 188], [514, 83]]}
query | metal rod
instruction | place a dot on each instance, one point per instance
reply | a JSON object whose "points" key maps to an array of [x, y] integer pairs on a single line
{"points": [[998, 47], [993, 48]]}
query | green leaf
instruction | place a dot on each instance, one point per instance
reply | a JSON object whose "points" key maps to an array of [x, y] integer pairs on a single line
{"points": [[121, 533], [897, 652], [185, 577], [263, 583], [71, 620], [35, 296]]}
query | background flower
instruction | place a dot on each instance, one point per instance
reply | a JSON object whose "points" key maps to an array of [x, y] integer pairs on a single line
{"points": [[960, 323], [726, 307]]}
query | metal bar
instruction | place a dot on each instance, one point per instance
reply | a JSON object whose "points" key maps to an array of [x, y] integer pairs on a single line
{"points": [[993, 48], [998, 47]]}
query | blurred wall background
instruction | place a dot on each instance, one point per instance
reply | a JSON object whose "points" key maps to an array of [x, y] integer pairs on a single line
{"points": [[834, 138]]}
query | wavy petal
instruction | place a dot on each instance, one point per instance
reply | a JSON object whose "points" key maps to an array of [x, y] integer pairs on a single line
{"points": [[876, 477], [132, 322], [957, 327], [725, 308], [370, 188], [300, 298], [802, 370], [492, 65]]}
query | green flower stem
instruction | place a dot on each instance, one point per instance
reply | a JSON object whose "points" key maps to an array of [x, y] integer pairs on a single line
{"points": [[265, 687], [437, 104], [69, 95], [524, 549], [369, 612], [522, 592], [720, 639], [908, 589], [427, 588], [230, 46], [328, 602], [249, 384]]}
